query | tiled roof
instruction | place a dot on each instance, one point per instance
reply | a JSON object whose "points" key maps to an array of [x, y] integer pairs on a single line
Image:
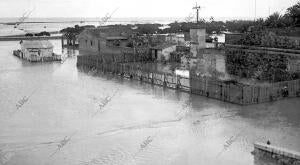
{"points": [[37, 44]]}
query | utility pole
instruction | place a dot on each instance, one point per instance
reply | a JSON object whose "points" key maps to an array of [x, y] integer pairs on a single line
{"points": [[197, 8], [254, 10]]}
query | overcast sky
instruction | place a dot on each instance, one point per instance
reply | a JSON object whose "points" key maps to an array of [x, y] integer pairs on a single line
{"points": [[141, 8]]}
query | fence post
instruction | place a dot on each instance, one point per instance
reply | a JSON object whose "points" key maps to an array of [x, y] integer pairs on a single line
{"points": [[164, 83], [178, 84], [152, 79]]}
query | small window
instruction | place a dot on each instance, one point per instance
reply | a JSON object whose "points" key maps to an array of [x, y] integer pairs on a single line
{"points": [[85, 41], [91, 43]]}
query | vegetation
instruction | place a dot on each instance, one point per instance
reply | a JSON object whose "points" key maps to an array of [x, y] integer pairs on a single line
{"points": [[288, 24], [259, 65], [44, 33], [72, 32]]}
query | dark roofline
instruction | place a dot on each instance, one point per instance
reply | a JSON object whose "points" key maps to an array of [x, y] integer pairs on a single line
{"points": [[116, 38]]}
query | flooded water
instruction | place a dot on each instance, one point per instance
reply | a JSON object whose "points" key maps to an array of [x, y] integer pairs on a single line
{"points": [[52, 113]]}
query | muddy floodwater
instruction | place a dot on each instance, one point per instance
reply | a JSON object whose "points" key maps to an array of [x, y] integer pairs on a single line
{"points": [[53, 113]]}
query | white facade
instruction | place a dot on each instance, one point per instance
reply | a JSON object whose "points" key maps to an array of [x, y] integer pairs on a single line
{"points": [[163, 54], [166, 52], [175, 39], [36, 54]]}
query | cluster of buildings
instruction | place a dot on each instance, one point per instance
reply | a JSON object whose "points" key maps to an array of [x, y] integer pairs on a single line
{"points": [[120, 44]]}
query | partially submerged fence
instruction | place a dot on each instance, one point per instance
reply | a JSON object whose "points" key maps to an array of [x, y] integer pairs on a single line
{"points": [[228, 91], [136, 72], [271, 92]]}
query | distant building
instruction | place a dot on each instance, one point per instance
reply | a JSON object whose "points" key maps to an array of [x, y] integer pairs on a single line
{"points": [[162, 52], [176, 39], [121, 44], [95, 41], [180, 52], [36, 50], [232, 38], [294, 64]]}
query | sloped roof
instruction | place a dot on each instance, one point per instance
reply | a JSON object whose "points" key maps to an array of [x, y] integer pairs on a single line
{"points": [[37, 44], [116, 38], [103, 32], [163, 46], [93, 32]]}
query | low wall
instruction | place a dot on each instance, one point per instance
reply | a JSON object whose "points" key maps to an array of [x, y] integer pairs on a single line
{"points": [[275, 155], [233, 38]]}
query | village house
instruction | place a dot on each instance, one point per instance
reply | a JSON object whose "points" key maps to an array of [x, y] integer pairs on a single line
{"points": [[37, 50], [162, 52], [178, 39], [94, 41], [121, 44], [232, 38], [111, 43], [188, 54]]}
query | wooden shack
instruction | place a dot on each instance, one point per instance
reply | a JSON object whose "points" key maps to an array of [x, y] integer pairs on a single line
{"points": [[36, 50]]}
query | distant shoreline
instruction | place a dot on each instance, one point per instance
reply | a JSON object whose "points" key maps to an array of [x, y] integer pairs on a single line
{"points": [[13, 23], [18, 38], [11, 20], [23, 35]]}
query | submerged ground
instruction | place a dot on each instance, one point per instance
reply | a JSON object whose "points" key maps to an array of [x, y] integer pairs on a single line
{"points": [[52, 113]]}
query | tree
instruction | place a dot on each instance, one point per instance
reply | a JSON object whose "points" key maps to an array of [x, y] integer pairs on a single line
{"points": [[274, 21], [294, 13]]}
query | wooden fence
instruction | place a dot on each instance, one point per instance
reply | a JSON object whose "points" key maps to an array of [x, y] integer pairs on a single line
{"points": [[136, 72], [228, 91], [272, 92]]}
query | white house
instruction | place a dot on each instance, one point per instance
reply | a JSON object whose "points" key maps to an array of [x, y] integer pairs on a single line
{"points": [[176, 39], [37, 50], [162, 52]]}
